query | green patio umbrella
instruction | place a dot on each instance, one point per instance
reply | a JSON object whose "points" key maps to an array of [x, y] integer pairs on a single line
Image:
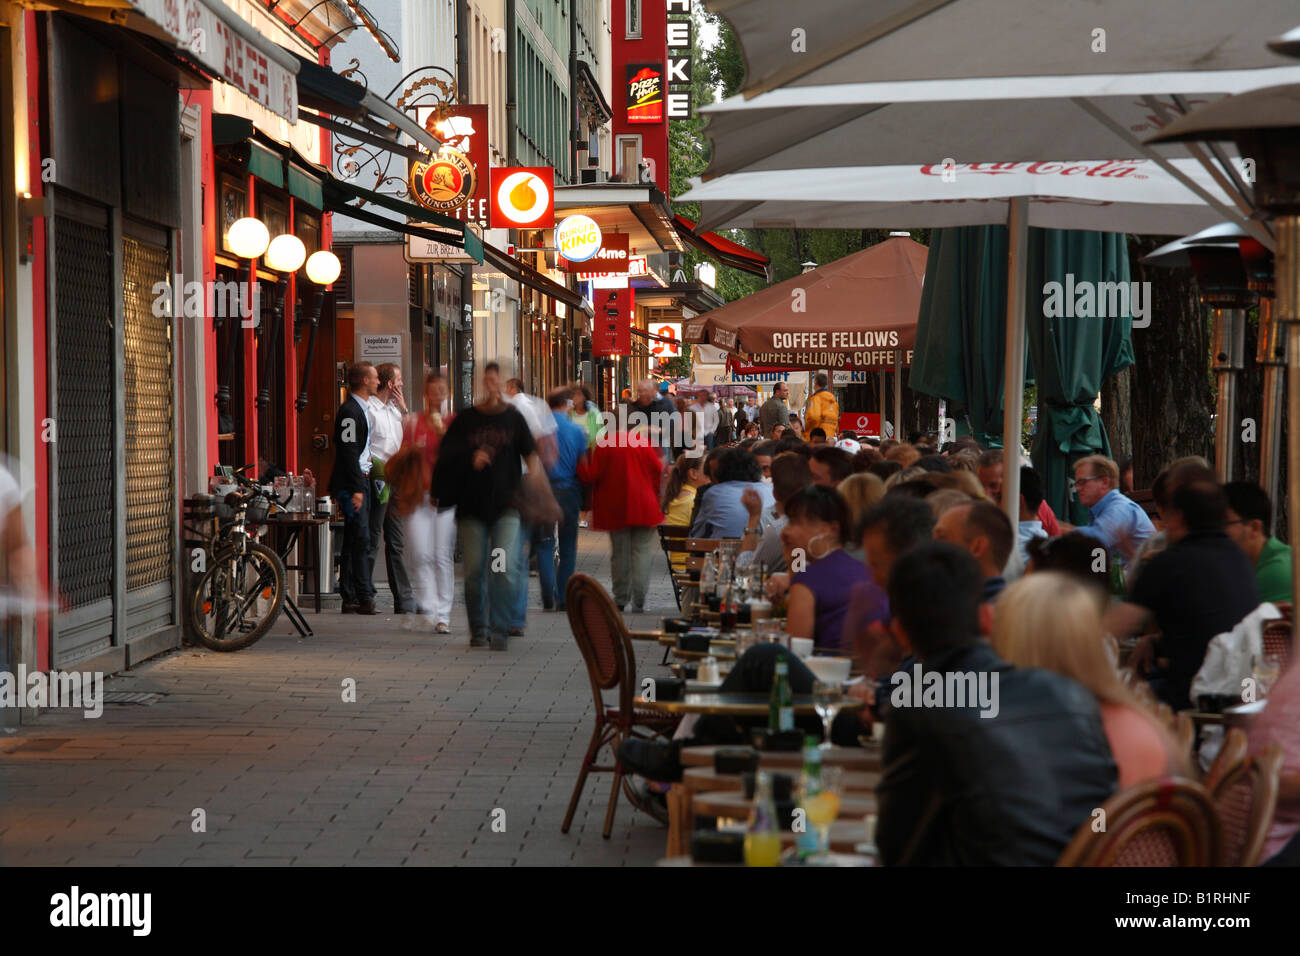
{"points": [[1073, 354], [961, 331], [961, 338]]}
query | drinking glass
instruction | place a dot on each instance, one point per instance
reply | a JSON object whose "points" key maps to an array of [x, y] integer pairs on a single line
{"points": [[1268, 667], [823, 807], [827, 699]]}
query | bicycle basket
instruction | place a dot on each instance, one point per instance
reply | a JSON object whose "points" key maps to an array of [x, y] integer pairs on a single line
{"points": [[258, 508]]}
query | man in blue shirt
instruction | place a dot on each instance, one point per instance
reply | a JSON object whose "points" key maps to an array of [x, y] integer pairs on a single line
{"points": [[722, 512], [571, 445], [1118, 521]]}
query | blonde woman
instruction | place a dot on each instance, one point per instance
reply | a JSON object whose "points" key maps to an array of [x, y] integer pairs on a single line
{"points": [[1053, 621], [861, 492]]}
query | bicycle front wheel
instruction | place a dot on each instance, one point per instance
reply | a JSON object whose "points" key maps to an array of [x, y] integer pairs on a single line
{"points": [[238, 598]]}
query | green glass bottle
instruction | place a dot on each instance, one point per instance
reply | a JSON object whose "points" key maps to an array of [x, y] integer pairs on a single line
{"points": [[780, 707]]}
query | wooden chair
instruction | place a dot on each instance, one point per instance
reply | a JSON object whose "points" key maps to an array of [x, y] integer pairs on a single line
{"points": [[671, 533], [611, 665], [1246, 797], [1232, 753], [1278, 640], [1169, 822]]}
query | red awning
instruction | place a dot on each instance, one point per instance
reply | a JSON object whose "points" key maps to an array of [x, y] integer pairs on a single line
{"points": [[723, 250]]}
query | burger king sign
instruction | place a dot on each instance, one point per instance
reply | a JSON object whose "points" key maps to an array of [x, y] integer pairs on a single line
{"points": [[577, 238]]}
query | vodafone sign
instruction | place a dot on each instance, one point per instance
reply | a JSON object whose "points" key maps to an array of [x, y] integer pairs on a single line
{"points": [[523, 197], [578, 238]]}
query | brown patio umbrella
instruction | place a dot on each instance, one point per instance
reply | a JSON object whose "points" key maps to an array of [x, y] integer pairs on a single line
{"points": [[858, 312]]}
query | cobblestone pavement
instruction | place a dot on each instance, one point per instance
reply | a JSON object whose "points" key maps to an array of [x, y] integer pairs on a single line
{"points": [[442, 740]]}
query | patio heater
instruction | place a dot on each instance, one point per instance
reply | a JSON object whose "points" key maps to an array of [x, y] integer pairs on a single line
{"points": [[1253, 121], [1215, 258], [1271, 355]]}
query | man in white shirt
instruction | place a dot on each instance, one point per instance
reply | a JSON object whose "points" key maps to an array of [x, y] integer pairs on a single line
{"points": [[542, 425], [384, 411], [706, 419]]}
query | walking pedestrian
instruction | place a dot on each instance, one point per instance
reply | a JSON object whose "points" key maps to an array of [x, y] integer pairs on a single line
{"points": [[570, 448], [350, 486], [625, 471], [775, 411], [430, 529], [478, 472], [542, 425], [387, 407]]}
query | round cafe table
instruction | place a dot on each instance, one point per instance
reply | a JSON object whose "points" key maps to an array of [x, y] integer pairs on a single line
{"points": [[736, 705], [850, 758], [706, 778], [732, 803]]}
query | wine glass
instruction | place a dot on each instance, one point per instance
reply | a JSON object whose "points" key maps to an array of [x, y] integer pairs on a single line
{"points": [[823, 807], [827, 699]]}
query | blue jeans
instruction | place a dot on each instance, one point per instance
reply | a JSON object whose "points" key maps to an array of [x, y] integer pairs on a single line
{"points": [[553, 584], [355, 586], [519, 579], [489, 573]]}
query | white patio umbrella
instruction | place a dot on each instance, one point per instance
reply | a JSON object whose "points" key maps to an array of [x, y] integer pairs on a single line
{"points": [[819, 42], [1017, 81], [1061, 195], [1119, 195]]}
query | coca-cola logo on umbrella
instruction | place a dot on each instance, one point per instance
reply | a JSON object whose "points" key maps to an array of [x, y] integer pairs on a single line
{"points": [[1109, 168]]}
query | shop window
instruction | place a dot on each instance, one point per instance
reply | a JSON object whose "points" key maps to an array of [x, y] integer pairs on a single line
{"points": [[232, 205]]}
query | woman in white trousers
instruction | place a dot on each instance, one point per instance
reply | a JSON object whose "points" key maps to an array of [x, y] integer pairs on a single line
{"points": [[430, 531]]}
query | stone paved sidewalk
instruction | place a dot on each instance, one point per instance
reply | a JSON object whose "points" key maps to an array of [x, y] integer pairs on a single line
{"points": [[441, 740]]}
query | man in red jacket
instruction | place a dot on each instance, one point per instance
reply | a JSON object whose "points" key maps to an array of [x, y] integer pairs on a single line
{"points": [[624, 470]]}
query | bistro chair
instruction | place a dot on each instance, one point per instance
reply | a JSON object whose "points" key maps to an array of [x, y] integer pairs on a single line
{"points": [[673, 533], [1277, 640], [1230, 755], [611, 665], [1169, 822], [1246, 797]]}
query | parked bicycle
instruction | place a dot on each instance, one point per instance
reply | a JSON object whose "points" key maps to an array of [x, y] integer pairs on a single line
{"points": [[240, 592]]}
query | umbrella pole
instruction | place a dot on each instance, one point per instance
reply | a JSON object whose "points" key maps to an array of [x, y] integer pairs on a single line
{"points": [[898, 389], [1013, 401], [1287, 277], [1270, 354]]}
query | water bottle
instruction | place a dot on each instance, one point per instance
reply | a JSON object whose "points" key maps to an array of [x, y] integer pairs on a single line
{"points": [[724, 578], [806, 843], [708, 577]]}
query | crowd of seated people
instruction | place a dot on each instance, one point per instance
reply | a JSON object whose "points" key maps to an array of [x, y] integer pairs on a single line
{"points": [[904, 557]]}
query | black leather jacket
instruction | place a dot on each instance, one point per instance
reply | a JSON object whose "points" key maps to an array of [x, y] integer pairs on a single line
{"points": [[959, 789]]}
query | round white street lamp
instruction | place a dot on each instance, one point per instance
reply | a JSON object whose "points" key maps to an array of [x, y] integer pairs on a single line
{"points": [[248, 237]]}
